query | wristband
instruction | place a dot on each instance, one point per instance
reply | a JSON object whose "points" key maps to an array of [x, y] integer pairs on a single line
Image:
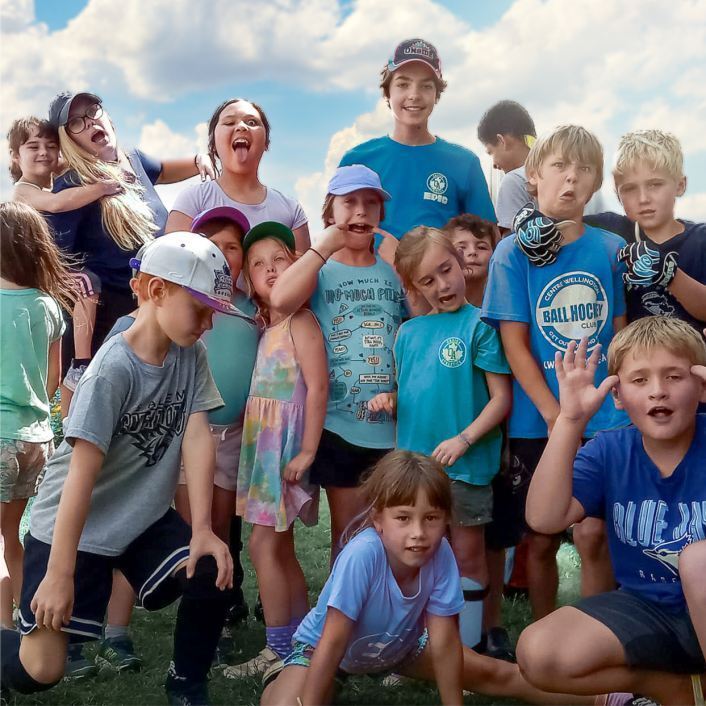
{"points": [[464, 438], [314, 250]]}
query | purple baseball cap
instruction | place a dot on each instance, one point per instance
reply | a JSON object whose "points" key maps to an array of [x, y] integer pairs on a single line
{"points": [[415, 50], [356, 176], [228, 213]]}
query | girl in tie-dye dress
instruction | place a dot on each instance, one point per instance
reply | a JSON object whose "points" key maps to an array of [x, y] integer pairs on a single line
{"points": [[283, 421]]}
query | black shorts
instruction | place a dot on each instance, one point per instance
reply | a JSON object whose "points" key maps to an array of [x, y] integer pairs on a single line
{"points": [[147, 563], [340, 464], [651, 637], [519, 459], [113, 304]]}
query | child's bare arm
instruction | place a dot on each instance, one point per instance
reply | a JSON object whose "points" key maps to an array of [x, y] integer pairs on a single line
{"points": [[446, 656], [297, 283], [66, 200], [199, 457], [318, 687], [53, 601], [53, 368], [690, 293], [498, 407], [177, 221], [174, 170], [302, 239], [515, 338], [551, 506], [311, 354]]}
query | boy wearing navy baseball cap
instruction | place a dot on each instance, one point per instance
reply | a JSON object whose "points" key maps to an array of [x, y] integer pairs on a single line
{"points": [[105, 503], [430, 180]]}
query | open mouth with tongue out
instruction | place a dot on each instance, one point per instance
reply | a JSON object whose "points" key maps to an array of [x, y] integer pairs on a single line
{"points": [[241, 146]]}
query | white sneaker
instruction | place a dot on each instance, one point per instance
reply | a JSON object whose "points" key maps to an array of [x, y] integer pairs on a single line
{"points": [[254, 667], [73, 375]]}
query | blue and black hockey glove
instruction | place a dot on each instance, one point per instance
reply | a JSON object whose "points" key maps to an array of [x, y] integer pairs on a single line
{"points": [[647, 266], [537, 235]]}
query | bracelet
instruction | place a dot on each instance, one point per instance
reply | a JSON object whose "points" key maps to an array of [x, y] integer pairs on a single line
{"points": [[464, 438], [323, 259]]}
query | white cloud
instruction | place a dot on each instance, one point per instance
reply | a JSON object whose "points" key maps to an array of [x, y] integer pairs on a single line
{"points": [[692, 207], [159, 139]]}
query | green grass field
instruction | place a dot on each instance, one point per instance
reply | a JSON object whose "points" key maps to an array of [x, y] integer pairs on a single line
{"points": [[152, 633]]}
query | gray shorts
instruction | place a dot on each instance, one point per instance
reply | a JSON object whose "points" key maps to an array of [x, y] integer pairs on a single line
{"points": [[472, 504], [226, 439], [22, 465]]}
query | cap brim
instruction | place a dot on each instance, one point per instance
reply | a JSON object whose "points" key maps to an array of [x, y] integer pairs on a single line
{"points": [[228, 213], [269, 229], [350, 188], [391, 66], [220, 305], [64, 114]]}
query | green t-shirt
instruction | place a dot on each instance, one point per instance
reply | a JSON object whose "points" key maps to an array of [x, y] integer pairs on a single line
{"points": [[441, 361], [30, 321]]}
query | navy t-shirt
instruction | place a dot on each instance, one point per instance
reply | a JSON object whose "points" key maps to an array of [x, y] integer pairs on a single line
{"points": [[691, 248], [649, 518], [81, 232]]}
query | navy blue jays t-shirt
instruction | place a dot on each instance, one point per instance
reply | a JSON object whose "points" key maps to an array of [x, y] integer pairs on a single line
{"points": [[81, 232], [691, 248]]}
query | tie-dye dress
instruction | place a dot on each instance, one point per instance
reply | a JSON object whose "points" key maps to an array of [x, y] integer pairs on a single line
{"points": [[272, 436]]}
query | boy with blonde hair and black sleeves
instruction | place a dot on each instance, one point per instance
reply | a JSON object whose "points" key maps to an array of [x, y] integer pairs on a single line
{"points": [[666, 256], [105, 503], [553, 282], [648, 481]]}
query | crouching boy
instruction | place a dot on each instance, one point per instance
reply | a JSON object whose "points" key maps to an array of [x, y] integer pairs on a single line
{"points": [[648, 482], [105, 503]]}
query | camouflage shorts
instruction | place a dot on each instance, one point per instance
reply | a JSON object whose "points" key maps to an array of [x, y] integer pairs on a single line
{"points": [[22, 465]]}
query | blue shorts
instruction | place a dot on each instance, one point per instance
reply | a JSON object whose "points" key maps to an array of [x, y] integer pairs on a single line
{"points": [[148, 563]]}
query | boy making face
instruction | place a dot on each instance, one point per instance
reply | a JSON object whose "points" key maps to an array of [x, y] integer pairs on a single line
{"points": [[430, 180], [641, 637]]}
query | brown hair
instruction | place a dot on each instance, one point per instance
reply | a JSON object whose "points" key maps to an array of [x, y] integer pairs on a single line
{"points": [[29, 256], [386, 79], [20, 132], [475, 225], [214, 121], [652, 332], [327, 209], [412, 248]]}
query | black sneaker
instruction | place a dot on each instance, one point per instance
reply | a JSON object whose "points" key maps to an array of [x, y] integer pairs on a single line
{"points": [[181, 692], [237, 613], [499, 645]]}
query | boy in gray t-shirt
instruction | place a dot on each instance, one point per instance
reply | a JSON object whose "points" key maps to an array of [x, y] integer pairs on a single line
{"points": [[140, 407]]}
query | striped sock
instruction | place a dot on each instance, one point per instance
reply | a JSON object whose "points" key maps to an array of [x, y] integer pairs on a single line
{"points": [[279, 639]]}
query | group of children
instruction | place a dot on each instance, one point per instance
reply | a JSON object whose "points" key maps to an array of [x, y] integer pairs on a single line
{"points": [[451, 390]]}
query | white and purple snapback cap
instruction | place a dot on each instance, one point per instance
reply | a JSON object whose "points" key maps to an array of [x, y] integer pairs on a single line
{"points": [[195, 263]]}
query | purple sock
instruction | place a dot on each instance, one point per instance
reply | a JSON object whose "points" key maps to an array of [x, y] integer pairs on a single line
{"points": [[280, 639]]}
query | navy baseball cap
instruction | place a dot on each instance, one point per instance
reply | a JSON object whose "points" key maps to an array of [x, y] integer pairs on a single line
{"points": [[415, 50], [226, 213], [61, 104], [355, 177]]}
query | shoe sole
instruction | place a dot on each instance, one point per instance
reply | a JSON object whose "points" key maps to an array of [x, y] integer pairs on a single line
{"points": [[103, 663]]}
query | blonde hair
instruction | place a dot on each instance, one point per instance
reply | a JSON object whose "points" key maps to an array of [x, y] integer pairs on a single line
{"points": [[660, 150], [29, 257], [650, 332], [574, 143], [126, 217], [263, 310], [412, 248]]}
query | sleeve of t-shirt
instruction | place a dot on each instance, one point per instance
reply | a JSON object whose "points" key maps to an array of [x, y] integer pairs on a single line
{"points": [[613, 222], [206, 395], [477, 199], [351, 579], [58, 325], [512, 196], [446, 597], [95, 410], [589, 477], [188, 201], [488, 351], [299, 218], [506, 297], [152, 166]]}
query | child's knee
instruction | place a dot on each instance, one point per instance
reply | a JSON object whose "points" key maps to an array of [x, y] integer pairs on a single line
{"points": [[543, 546], [692, 565], [536, 653], [590, 537]]}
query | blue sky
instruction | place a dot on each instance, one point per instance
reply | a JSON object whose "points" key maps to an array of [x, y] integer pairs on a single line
{"points": [[162, 66]]}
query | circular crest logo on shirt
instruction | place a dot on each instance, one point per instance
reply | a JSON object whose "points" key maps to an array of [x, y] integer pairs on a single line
{"points": [[570, 307], [437, 183], [452, 352]]}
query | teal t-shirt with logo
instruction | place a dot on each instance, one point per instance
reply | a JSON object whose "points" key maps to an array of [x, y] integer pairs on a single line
{"points": [[577, 295], [441, 362], [359, 310], [429, 184]]}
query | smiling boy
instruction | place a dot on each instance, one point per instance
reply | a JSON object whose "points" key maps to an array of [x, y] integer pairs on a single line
{"points": [[541, 300], [648, 482], [430, 180]]}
